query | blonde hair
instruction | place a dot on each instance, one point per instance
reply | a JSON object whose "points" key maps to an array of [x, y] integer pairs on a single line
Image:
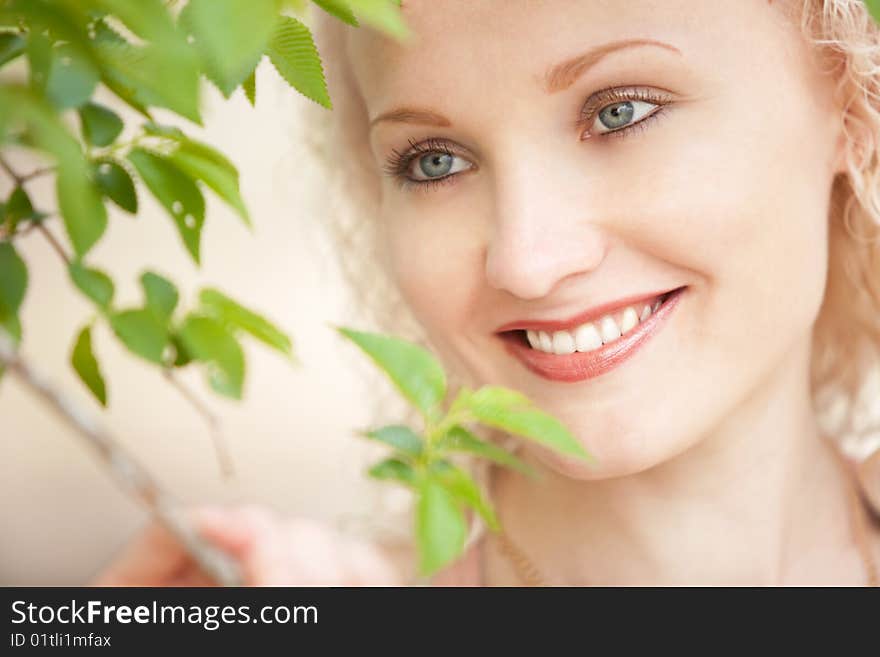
{"points": [[845, 375]]}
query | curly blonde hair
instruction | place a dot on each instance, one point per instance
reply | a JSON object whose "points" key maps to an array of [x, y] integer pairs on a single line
{"points": [[845, 374]]}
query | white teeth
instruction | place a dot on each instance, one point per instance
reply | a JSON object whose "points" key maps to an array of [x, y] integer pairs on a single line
{"points": [[629, 319], [545, 342], [587, 338], [591, 335], [563, 343], [533, 339], [609, 329]]}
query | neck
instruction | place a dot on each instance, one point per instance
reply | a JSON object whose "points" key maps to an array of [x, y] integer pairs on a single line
{"points": [[759, 500]]}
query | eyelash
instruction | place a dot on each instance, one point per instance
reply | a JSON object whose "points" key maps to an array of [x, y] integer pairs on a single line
{"points": [[399, 162]]}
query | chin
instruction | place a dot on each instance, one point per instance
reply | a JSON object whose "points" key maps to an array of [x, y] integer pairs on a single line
{"points": [[631, 452]]}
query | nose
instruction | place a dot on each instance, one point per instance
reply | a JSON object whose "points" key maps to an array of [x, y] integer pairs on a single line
{"points": [[543, 233]]}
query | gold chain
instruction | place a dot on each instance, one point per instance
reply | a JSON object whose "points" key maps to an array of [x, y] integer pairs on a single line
{"points": [[529, 574]]}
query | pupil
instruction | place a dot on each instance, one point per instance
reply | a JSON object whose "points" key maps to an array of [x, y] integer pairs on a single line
{"points": [[434, 165], [617, 115]]}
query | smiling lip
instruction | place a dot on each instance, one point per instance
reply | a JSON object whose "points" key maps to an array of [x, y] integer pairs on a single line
{"points": [[586, 365]]}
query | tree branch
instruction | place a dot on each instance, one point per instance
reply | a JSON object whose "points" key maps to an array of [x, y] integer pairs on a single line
{"points": [[133, 478], [10, 171], [227, 467]]}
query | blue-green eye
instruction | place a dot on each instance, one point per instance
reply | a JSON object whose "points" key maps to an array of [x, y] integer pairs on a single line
{"points": [[435, 165], [621, 114]]}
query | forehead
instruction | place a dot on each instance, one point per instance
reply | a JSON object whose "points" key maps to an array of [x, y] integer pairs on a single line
{"points": [[467, 48]]}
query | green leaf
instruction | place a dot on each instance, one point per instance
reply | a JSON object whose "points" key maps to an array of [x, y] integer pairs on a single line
{"points": [[141, 333], [393, 469], [440, 527], [13, 281], [177, 193], [39, 53], [115, 183], [292, 51], [96, 285], [85, 216], [86, 365], [384, 15], [208, 341], [72, 77], [205, 163], [414, 371], [231, 36], [459, 439], [250, 88], [465, 489], [510, 411], [160, 293], [12, 326], [162, 73], [18, 207], [338, 8], [231, 313], [874, 8], [400, 437], [100, 125], [11, 46]]}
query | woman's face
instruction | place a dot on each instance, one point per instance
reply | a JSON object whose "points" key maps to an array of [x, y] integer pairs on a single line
{"points": [[545, 165]]}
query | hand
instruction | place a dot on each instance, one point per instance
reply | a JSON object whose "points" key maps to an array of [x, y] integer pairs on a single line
{"points": [[269, 549]]}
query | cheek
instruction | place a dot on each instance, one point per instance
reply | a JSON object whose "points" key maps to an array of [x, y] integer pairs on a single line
{"points": [[436, 261]]}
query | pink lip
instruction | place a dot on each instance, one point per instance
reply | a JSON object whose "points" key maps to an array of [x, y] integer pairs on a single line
{"points": [[581, 366], [581, 318]]}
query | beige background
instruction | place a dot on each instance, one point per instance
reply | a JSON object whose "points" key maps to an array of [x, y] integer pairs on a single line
{"points": [[292, 440]]}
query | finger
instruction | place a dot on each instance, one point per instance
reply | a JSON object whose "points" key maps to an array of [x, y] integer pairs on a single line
{"points": [[148, 560]]}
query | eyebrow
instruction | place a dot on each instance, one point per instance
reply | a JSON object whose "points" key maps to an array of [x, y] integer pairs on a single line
{"points": [[556, 79]]}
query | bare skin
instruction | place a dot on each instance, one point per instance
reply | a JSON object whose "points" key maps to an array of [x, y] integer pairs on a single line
{"points": [[711, 466]]}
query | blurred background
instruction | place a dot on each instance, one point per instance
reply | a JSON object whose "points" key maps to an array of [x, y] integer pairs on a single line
{"points": [[292, 439]]}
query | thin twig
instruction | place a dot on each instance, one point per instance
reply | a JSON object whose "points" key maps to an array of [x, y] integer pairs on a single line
{"points": [[221, 449], [37, 173], [54, 242], [126, 470], [10, 171]]}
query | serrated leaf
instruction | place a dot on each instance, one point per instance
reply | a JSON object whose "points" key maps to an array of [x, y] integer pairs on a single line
{"points": [[115, 183], [95, 284], [413, 371], [177, 193], [338, 8], [205, 163], [393, 469], [86, 365], [231, 36], [100, 125], [400, 437], [208, 341], [511, 411], [18, 207], [293, 53], [440, 527], [161, 294], [465, 489], [250, 88], [11, 46], [163, 73], [141, 333], [72, 77], [383, 15], [230, 312], [459, 439], [13, 281]]}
